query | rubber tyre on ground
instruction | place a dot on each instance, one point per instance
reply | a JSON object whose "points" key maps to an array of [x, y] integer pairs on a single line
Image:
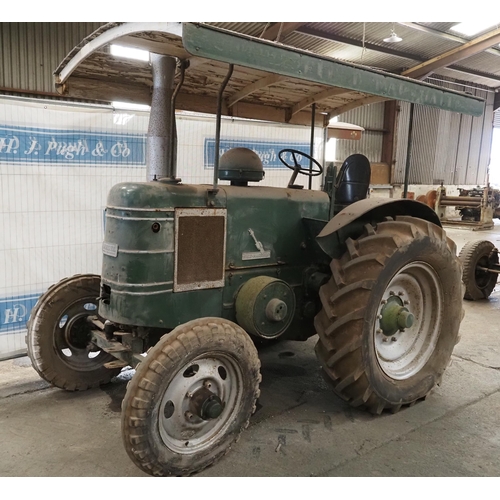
{"points": [[58, 337], [366, 368], [478, 284], [161, 434]]}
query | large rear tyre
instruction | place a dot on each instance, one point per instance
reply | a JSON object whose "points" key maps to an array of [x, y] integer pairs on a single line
{"points": [[390, 314], [59, 335], [190, 398], [478, 283]]}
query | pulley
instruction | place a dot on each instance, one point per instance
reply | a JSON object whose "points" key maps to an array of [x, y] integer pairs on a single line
{"points": [[265, 306]]}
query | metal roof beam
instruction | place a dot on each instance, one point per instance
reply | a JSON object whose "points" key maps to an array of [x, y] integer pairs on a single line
{"points": [[356, 104], [306, 30], [447, 36], [466, 50], [320, 96], [279, 30], [253, 87], [392, 52]]}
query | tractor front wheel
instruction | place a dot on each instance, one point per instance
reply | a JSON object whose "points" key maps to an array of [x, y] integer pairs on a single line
{"points": [[190, 398], [59, 336], [391, 314]]}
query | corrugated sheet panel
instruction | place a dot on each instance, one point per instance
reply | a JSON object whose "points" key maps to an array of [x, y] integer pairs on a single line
{"points": [[446, 147], [30, 52], [372, 118], [484, 157], [496, 119], [414, 42]]}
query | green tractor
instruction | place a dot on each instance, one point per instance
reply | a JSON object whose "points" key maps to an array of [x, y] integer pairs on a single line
{"points": [[195, 276]]}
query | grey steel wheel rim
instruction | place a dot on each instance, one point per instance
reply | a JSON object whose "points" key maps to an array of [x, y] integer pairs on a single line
{"points": [[181, 430], [71, 337], [419, 290]]}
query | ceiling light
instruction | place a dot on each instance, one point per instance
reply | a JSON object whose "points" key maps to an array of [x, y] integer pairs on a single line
{"points": [[393, 38], [129, 53], [471, 28], [130, 106]]}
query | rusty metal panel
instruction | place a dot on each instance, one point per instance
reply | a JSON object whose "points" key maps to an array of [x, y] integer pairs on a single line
{"points": [[30, 52], [200, 247]]}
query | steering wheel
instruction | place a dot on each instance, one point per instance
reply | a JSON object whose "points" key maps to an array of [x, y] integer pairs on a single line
{"points": [[297, 167]]}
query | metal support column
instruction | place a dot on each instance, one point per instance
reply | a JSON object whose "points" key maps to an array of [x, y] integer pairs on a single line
{"points": [[311, 145], [408, 153]]}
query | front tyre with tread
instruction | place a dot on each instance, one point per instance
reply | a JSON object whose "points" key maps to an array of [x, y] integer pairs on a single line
{"points": [[58, 337], [377, 357], [191, 397]]}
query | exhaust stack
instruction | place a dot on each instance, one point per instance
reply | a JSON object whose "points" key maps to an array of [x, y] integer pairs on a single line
{"points": [[159, 141]]}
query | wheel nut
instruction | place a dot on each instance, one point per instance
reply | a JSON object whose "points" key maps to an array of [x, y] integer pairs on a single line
{"points": [[400, 294], [379, 330], [406, 302], [380, 316], [385, 339], [393, 339], [384, 302], [188, 415], [391, 293]]}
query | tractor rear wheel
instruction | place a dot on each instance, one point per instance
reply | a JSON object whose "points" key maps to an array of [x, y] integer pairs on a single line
{"points": [[390, 314], [190, 398], [478, 283], [59, 335]]}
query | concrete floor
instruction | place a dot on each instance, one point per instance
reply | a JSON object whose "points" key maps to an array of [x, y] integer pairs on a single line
{"points": [[300, 428]]}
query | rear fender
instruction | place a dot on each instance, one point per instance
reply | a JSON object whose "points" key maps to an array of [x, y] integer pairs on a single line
{"points": [[350, 221]]}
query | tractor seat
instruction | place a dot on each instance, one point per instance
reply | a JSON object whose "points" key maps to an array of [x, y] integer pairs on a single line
{"points": [[353, 180]]}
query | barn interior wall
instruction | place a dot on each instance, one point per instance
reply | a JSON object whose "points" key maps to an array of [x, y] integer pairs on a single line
{"points": [[30, 52]]}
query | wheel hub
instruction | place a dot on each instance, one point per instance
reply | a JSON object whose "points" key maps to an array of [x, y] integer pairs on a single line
{"points": [[395, 316], [198, 403], [78, 332], [409, 320], [206, 405]]}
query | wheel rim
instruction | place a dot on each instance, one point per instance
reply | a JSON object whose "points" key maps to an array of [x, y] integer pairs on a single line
{"points": [[484, 278], [415, 294], [72, 336], [181, 426]]}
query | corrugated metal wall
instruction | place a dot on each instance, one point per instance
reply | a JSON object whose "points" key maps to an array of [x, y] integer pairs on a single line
{"points": [[496, 119], [446, 147], [370, 117], [30, 52]]}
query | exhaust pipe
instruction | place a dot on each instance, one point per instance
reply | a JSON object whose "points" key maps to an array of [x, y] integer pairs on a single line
{"points": [[159, 141]]}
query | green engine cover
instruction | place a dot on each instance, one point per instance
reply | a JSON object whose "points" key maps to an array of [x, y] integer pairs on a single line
{"points": [[175, 252]]}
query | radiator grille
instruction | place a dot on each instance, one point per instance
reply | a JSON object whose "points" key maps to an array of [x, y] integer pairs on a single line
{"points": [[200, 248]]}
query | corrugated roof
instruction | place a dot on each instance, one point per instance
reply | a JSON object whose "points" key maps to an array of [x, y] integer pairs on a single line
{"points": [[345, 41]]}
